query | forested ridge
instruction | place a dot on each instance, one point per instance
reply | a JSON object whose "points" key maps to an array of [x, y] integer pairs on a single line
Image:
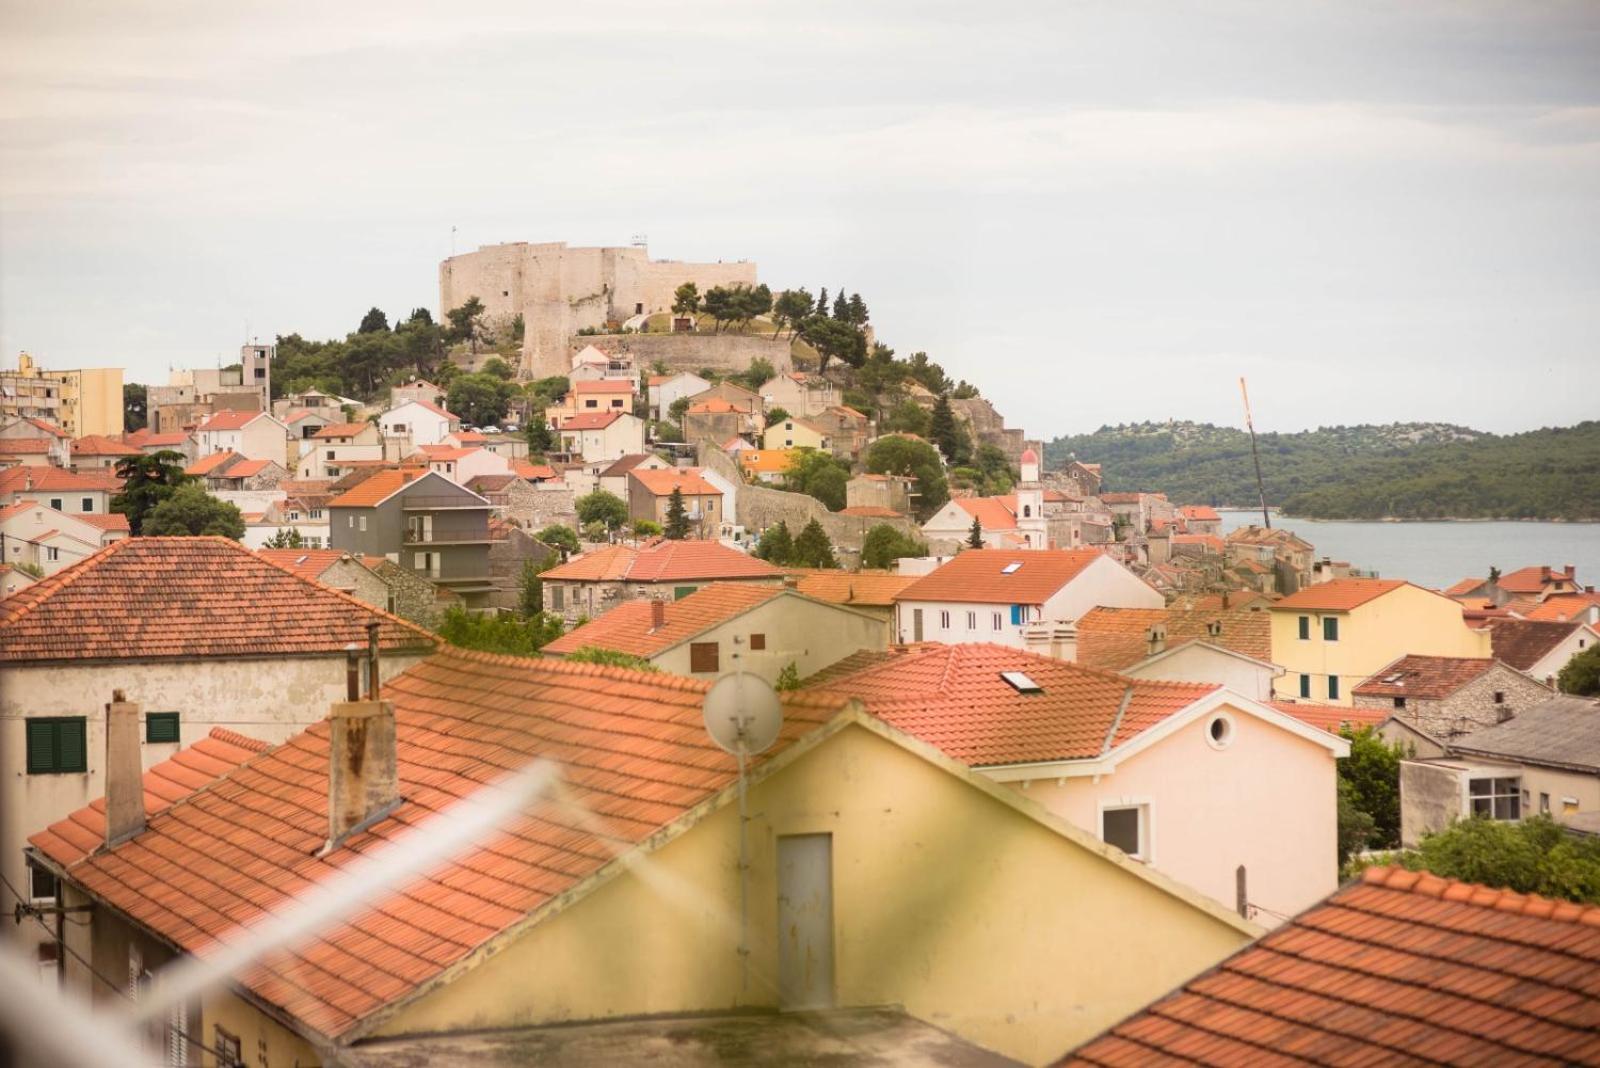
{"points": [[1403, 470]]}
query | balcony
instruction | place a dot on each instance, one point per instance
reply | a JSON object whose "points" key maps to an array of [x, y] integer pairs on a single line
{"points": [[412, 537], [422, 502]]}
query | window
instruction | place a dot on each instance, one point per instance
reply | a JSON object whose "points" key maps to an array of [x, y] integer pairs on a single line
{"points": [[591, 403], [703, 657], [42, 883], [293, 516], [1333, 687], [1496, 799], [1305, 628], [1017, 615], [1127, 828], [88, 504], [52, 553], [55, 502], [1305, 686], [160, 727], [558, 595], [680, 592], [229, 1052], [999, 620], [1399, 702], [352, 520], [330, 454], [1544, 804], [972, 621], [944, 620], [1499, 697], [316, 513], [57, 745], [363, 523], [916, 624], [1219, 732], [758, 642], [1330, 628]]}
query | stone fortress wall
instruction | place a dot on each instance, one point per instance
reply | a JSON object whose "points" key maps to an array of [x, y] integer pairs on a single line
{"points": [[560, 290], [724, 353]]}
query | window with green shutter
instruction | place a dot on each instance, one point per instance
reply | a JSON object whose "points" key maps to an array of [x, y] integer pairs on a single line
{"points": [[161, 727], [57, 745]]}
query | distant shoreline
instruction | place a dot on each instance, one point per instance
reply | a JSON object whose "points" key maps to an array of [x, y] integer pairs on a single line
{"points": [[1411, 519]]}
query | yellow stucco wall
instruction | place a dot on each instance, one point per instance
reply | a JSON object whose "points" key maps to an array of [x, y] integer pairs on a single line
{"points": [[1407, 620], [808, 634], [950, 902], [257, 1033]]}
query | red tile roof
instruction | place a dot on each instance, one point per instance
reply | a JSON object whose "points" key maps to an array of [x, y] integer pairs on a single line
{"points": [[604, 385], [632, 751], [25, 446], [1209, 541], [1522, 643], [340, 430], [143, 598], [372, 490], [1331, 717], [533, 472], [1339, 595], [1559, 607], [1535, 579], [45, 425], [110, 521], [69, 840], [429, 405], [100, 445], [591, 420], [666, 561], [1400, 967], [660, 482], [23, 479], [440, 453], [304, 563], [1464, 587], [214, 464], [1431, 678], [1118, 638], [980, 575], [953, 697], [854, 587], [629, 628], [1202, 512], [714, 406], [174, 437]]}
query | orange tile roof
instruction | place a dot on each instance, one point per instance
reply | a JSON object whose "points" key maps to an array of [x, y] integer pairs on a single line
{"points": [[470, 437], [632, 751], [767, 461], [592, 420], [1464, 587], [666, 561], [1400, 967], [247, 468], [1117, 638], [1431, 678], [26, 446], [604, 385], [304, 563], [215, 463], [953, 697], [1560, 607], [533, 472], [978, 575], [428, 405], [22, 479], [374, 489], [854, 587], [230, 420], [687, 480], [172, 437], [1339, 595], [340, 430], [1202, 512], [1331, 717], [438, 453], [1210, 541], [46, 425], [110, 521], [629, 628], [714, 406], [144, 598], [100, 445], [1535, 579], [69, 840]]}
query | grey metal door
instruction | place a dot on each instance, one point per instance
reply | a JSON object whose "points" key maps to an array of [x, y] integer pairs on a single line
{"points": [[805, 921]]}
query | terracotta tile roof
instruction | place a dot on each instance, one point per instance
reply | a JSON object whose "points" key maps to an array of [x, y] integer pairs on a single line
{"points": [[533, 472], [1121, 498], [591, 420], [100, 445], [45, 425], [1431, 678], [715, 406], [1331, 717], [1560, 607], [629, 628], [1202, 512], [980, 575], [214, 464], [631, 750], [21, 479], [428, 405], [230, 420], [26, 446], [1464, 587], [470, 437], [1400, 967], [1118, 638], [687, 480], [441, 453], [247, 468], [871, 511], [854, 587], [304, 563], [340, 430], [173, 437], [1522, 643], [604, 385], [953, 697], [666, 561], [486, 484], [69, 840], [1535, 579], [1338, 595], [767, 461], [624, 464], [1209, 541], [374, 489], [109, 521], [143, 598]]}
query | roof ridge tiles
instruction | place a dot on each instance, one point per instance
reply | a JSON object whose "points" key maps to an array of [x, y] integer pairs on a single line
{"points": [[1427, 884]]}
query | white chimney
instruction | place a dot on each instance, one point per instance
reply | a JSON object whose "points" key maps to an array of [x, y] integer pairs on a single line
{"points": [[124, 771]]}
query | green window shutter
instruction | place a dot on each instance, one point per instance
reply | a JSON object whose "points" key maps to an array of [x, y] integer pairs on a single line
{"points": [[680, 592], [41, 746], [161, 727], [73, 751]]}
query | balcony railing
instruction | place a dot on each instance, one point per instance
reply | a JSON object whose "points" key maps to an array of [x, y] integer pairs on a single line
{"points": [[423, 502]]}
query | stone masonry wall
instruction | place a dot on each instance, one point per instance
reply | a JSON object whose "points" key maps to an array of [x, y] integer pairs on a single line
{"points": [[1472, 706], [726, 353], [534, 507]]}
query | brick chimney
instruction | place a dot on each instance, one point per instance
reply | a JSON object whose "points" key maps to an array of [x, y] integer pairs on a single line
{"points": [[124, 771], [658, 614], [1156, 639], [363, 777]]}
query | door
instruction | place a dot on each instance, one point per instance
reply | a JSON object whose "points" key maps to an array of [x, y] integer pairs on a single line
{"points": [[916, 624], [805, 921]]}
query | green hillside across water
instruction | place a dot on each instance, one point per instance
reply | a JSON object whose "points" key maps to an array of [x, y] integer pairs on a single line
{"points": [[1402, 471]]}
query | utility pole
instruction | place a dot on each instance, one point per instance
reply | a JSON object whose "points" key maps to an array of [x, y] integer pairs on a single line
{"points": [[1255, 454]]}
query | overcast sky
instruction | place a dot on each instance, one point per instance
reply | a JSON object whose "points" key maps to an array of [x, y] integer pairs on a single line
{"points": [[1097, 212]]}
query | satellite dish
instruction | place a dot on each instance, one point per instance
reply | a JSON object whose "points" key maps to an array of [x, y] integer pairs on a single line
{"points": [[742, 713]]}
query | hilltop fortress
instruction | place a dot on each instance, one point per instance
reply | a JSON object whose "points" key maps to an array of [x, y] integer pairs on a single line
{"points": [[559, 290]]}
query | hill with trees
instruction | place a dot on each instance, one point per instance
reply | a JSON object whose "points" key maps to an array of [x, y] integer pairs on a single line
{"points": [[1403, 470]]}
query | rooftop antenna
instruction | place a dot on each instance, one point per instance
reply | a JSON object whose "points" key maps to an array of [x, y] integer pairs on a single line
{"points": [[743, 716], [1255, 454]]}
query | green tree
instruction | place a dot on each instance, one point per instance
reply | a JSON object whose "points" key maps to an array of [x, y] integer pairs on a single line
{"points": [[1372, 771], [883, 545], [788, 679], [686, 299], [505, 634], [776, 545], [919, 460], [721, 304], [146, 482], [834, 340], [466, 323], [757, 374], [530, 599], [191, 511], [601, 507], [946, 433], [777, 414], [494, 365], [975, 534], [907, 417], [1531, 856], [560, 537], [537, 431], [677, 410], [593, 654], [677, 527], [812, 548], [135, 409], [789, 309], [819, 474], [645, 528], [480, 399], [1581, 675], [285, 538], [519, 329], [374, 322], [1356, 827], [822, 303]]}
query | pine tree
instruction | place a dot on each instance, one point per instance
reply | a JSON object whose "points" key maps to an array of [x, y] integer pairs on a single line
{"points": [[776, 545], [677, 527], [812, 548], [942, 428], [822, 303], [841, 307], [975, 535]]}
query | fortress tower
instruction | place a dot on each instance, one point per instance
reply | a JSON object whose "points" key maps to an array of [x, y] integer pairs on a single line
{"points": [[559, 290]]}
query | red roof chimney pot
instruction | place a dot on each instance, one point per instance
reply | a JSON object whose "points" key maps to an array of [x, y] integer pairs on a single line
{"points": [[658, 614]]}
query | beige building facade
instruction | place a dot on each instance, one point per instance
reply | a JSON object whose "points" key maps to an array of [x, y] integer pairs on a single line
{"points": [[81, 401]]}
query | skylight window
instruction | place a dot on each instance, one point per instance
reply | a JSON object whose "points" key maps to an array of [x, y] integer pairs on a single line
{"points": [[1011, 568], [1021, 682]]}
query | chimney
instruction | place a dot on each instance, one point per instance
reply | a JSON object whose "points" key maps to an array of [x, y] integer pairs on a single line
{"points": [[658, 614], [124, 772], [1544, 573], [791, 582], [1156, 638], [363, 778]]}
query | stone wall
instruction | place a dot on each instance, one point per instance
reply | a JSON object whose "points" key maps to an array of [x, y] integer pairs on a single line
{"points": [[1472, 706], [506, 558], [725, 353], [989, 426], [535, 506], [413, 597]]}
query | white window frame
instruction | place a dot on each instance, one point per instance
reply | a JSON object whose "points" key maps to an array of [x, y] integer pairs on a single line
{"points": [[944, 619], [1512, 793], [1147, 823]]}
